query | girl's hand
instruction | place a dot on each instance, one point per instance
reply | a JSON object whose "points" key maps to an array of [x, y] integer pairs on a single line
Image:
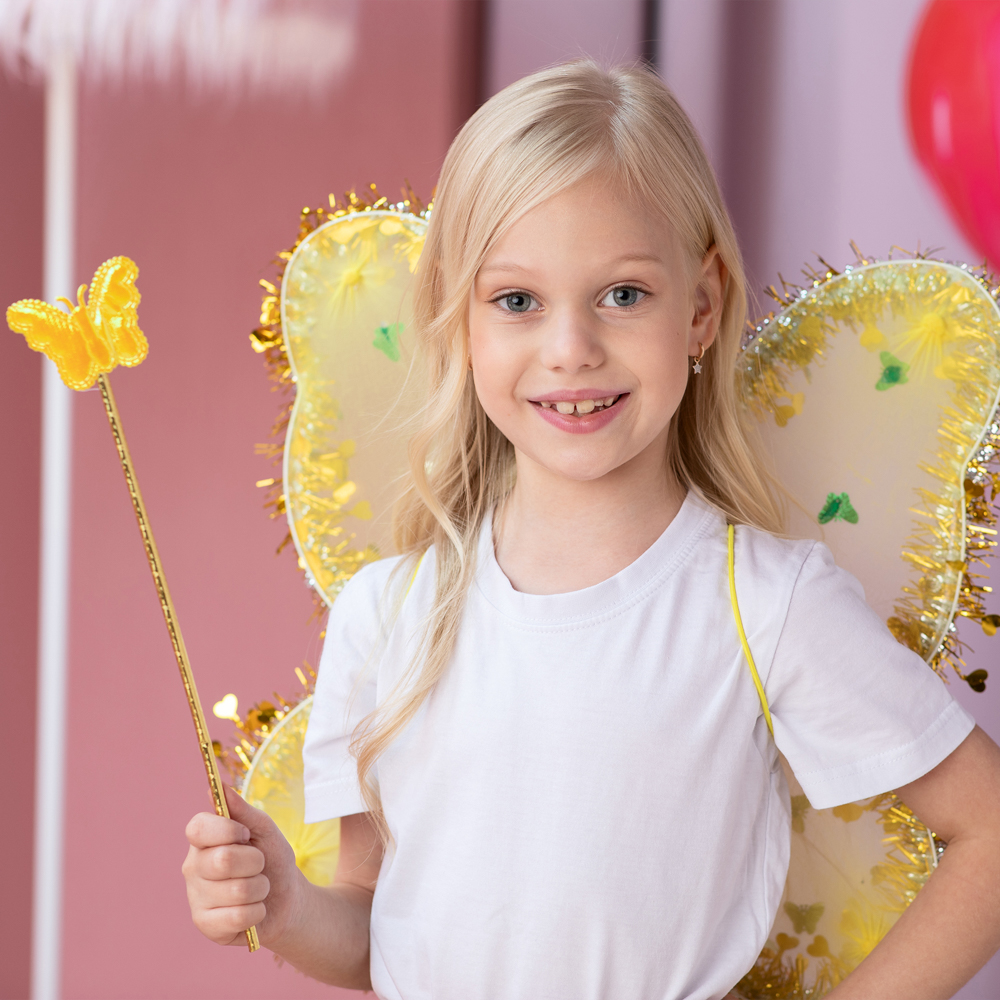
{"points": [[240, 872]]}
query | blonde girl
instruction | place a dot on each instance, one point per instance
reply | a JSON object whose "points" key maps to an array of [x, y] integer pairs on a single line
{"points": [[555, 773]]}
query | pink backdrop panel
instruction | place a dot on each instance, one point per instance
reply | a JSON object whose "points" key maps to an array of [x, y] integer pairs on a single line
{"points": [[202, 192], [523, 36], [20, 414]]}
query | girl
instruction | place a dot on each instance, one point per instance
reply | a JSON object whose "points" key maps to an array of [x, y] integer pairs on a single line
{"points": [[555, 773]]}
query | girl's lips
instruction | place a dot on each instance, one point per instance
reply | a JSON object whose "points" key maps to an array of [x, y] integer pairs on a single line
{"points": [[585, 424]]}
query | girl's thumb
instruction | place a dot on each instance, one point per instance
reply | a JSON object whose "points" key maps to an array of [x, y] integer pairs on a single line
{"points": [[254, 819]]}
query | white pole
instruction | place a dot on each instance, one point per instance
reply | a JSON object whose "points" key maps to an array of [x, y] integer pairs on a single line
{"points": [[53, 598]]}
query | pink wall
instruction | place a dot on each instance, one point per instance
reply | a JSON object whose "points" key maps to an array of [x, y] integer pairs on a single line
{"points": [[527, 35], [20, 277], [202, 193]]}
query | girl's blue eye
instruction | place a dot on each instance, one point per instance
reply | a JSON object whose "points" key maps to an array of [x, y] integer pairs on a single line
{"points": [[624, 296], [517, 302]]}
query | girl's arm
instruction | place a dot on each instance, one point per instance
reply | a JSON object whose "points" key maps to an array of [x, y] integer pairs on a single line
{"points": [[953, 926], [242, 871]]}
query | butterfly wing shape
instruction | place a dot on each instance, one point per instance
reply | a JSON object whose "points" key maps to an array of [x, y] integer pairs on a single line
{"points": [[113, 310], [93, 337], [891, 452], [345, 312], [50, 330]]}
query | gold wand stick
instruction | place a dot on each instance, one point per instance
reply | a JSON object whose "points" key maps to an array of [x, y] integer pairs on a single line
{"points": [[89, 339], [169, 614]]}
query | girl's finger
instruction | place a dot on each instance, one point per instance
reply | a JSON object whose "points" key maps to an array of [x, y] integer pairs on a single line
{"points": [[229, 861], [239, 891], [226, 924], [209, 830]]}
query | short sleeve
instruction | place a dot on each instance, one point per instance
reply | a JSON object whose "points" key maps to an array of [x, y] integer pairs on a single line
{"points": [[345, 694], [855, 712]]}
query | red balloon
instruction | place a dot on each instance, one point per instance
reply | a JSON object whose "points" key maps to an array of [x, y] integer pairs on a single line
{"points": [[953, 102]]}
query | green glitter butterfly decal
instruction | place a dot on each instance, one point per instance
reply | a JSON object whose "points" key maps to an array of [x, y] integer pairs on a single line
{"points": [[387, 340], [838, 508], [804, 917], [893, 371]]}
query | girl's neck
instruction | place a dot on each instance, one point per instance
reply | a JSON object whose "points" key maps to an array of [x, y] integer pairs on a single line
{"points": [[556, 535]]}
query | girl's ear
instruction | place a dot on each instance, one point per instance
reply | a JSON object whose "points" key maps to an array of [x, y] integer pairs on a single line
{"points": [[709, 293]]}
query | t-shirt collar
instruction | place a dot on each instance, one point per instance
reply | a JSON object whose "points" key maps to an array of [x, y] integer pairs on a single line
{"points": [[695, 518]]}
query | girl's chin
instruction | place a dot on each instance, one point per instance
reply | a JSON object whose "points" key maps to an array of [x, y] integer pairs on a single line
{"points": [[580, 468]]}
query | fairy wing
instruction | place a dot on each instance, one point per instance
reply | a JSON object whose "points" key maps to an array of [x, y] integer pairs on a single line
{"points": [[876, 392], [49, 330], [342, 320], [113, 309], [345, 316]]}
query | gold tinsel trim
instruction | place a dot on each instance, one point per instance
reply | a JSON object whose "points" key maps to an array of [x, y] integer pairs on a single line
{"points": [[268, 337], [257, 726], [925, 615]]}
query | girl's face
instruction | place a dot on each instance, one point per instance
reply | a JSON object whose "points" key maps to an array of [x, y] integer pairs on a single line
{"points": [[581, 322]]}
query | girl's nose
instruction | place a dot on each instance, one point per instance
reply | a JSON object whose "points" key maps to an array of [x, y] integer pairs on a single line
{"points": [[571, 342]]}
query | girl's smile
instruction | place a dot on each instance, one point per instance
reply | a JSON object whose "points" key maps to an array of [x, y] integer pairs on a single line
{"points": [[581, 412]]}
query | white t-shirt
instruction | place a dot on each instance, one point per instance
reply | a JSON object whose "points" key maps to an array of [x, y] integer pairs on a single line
{"points": [[589, 804]]}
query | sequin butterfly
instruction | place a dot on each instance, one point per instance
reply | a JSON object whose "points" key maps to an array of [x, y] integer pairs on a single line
{"points": [[387, 340], [893, 371], [96, 334], [837, 508], [804, 918]]}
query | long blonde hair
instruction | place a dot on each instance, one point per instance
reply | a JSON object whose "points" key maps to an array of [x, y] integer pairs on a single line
{"points": [[536, 138]]}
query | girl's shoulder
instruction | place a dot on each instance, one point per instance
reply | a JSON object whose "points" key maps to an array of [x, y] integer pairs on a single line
{"points": [[364, 591], [762, 557], [379, 587], [766, 551], [771, 570]]}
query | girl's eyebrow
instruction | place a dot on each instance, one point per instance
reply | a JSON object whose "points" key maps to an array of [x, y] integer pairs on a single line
{"points": [[501, 266], [509, 267]]}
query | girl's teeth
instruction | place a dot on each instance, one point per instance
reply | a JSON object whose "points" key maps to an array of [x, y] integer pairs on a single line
{"points": [[581, 406]]}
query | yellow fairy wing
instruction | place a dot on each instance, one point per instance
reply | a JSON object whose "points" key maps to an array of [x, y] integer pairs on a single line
{"points": [[893, 434], [49, 330], [346, 316], [876, 392], [112, 307], [274, 783]]}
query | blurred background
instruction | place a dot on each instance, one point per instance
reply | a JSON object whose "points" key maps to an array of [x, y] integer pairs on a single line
{"points": [[801, 104]]}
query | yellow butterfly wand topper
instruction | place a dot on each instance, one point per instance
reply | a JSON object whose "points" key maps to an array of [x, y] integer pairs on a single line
{"points": [[98, 333], [94, 336]]}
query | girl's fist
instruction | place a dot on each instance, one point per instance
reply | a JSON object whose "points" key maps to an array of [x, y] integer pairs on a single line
{"points": [[240, 872]]}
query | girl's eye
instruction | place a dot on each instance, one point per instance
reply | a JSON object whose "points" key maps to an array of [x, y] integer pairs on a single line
{"points": [[517, 302], [623, 296]]}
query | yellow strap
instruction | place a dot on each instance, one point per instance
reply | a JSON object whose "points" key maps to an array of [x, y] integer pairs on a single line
{"points": [[739, 628], [413, 575]]}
